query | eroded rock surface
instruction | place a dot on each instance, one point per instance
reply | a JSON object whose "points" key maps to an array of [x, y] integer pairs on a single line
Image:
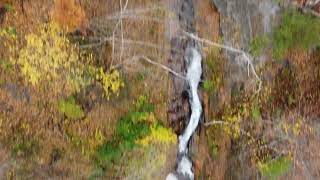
{"points": [[240, 22]]}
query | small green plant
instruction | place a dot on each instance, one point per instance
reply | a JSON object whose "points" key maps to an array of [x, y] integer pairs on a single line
{"points": [[70, 109], [128, 130], [258, 44], [214, 71], [24, 148], [208, 86], [6, 65], [214, 151], [137, 129], [9, 31], [141, 76], [297, 30], [143, 104], [8, 7], [272, 169], [255, 112]]}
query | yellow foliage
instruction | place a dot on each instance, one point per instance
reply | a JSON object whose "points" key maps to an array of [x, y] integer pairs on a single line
{"points": [[233, 120], [9, 32], [297, 128], [47, 55], [92, 142], [111, 82], [294, 128], [159, 135]]}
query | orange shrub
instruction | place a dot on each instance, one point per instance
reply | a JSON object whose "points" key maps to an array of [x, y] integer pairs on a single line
{"points": [[68, 14]]}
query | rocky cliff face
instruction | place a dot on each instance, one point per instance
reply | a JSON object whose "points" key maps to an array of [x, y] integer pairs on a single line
{"points": [[240, 22]]}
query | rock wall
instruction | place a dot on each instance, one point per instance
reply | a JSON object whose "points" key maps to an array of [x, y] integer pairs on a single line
{"points": [[240, 22]]}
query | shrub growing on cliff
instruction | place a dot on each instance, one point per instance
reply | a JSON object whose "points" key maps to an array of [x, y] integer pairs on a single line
{"points": [[70, 109], [257, 45], [273, 169], [138, 128], [111, 82], [47, 55], [297, 30], [49, 58]]}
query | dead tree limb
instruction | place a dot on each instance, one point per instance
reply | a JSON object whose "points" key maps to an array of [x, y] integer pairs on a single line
{"points": [[242, 55]]}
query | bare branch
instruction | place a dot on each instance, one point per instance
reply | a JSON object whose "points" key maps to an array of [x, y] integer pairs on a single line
{"points": [[116, 27], [214, 123], [242, 55], [101, 41], [131, 14], [148, 60], [134, 17], [163, 67], [121, 25]]}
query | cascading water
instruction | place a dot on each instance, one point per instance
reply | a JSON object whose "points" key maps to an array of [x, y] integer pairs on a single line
{"points": [[187, 63], [194, 71]]}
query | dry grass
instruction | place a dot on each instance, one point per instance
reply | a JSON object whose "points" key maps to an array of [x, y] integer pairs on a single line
{"points": [[308, 75]]}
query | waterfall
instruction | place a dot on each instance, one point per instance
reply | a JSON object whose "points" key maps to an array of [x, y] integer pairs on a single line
{"points": [[194, 71]]}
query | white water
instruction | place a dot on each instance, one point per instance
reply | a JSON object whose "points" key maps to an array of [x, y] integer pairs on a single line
{"points": [[193, 77], [194, 72]]}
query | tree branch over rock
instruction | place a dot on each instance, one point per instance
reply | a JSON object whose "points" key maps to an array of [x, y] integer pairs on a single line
{"points": [[242, 55]]}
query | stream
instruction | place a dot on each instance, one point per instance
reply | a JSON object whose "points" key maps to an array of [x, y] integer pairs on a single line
{"points": [[187, 63], [194, 71]]}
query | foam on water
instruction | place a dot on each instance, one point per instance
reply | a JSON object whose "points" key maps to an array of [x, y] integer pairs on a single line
{"points": [[193, 77], [194, 71]]}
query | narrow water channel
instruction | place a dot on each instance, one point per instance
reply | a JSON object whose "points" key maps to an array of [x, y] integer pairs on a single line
{"points": [[188, 63]]}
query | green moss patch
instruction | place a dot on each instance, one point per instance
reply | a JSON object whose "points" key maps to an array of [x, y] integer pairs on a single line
{"points": [[275, 168], [297, 30], [70, 109]]}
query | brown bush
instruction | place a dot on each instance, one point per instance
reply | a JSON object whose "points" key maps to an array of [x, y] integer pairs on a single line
{"points": [[308, 68], [69, 14]]}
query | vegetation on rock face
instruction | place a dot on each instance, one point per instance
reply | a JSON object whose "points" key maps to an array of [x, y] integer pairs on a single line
{"points": [[296, 30], [111, 82], [50, 58], [48, 81], [214, 68], [158, 134], [70, 109], [137, 129], [58, 117], [47, 56], [258, 44], [275, 168]]}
